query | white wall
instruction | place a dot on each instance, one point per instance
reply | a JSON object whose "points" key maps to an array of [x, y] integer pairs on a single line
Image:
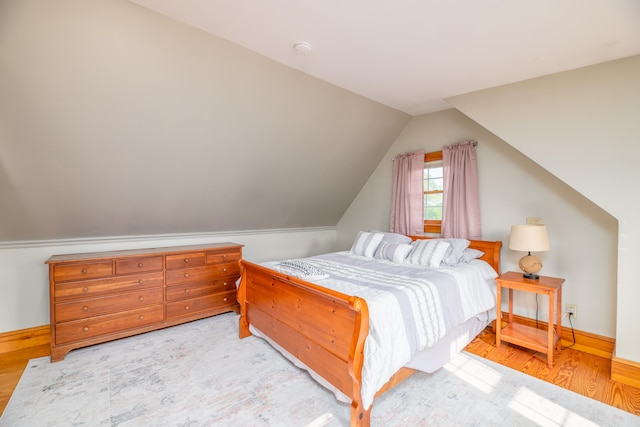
{"points": [[24, 276], [512, 187], [583, 126]]}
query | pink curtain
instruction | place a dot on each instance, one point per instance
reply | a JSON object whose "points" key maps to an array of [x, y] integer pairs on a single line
{"points": [[461, 205], [407, 197]]}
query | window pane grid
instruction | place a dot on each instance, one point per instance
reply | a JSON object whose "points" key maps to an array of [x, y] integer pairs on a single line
{"points": [[433, 190]]}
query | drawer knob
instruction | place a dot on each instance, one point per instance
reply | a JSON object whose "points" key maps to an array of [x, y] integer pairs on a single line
{"points": [[140, 265], [140, 282], [186, 307], [85, 289], [186, 260], [224, 256], [186, 274], [224, 269], [86, 329], [224, 299], [224, 284], [85, 308], [84, 271], [141, 317], [141, 299], [186, 291]]}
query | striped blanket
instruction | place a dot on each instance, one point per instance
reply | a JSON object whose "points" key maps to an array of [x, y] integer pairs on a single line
{"points": [[410, 307]]}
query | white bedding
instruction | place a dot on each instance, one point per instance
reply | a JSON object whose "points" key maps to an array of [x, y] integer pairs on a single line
{"points": [[410, 307]]}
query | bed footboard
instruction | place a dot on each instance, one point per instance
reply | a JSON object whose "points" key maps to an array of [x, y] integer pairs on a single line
{"points": [[324, 329]]}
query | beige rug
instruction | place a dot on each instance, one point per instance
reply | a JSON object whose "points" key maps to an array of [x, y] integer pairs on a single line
{"points": [[201, 374]]}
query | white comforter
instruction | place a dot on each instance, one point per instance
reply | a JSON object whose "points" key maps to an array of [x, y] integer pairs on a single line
{"points": [[410, 307]]}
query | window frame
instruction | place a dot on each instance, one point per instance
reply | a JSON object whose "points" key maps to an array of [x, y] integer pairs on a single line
{"points": [[432, 225]]}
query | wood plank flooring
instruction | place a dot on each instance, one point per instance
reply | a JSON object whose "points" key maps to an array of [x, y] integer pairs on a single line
{"points": [[574, 370], [579, 372]]}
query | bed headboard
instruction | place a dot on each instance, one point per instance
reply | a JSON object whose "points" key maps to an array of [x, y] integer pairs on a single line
{"points": [[491, 250]]}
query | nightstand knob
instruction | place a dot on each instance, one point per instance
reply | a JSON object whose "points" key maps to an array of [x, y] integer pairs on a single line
{"points": [[186, 260], [84, 271], [86, 329], [141, 299], [141, 317], [85, 308], [85, 289], [224, 299], [186, 307], [140, 265]]}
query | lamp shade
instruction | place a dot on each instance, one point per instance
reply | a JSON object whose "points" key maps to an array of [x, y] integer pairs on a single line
{"points": [[529, 238]]}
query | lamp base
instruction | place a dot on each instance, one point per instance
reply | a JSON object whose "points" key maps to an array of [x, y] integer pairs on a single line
{"points": [[530, 265]]}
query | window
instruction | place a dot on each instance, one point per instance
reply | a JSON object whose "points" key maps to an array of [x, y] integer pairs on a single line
{"points": [[433, 188]]}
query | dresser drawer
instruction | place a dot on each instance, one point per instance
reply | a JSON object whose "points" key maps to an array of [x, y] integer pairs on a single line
{"points": [[109, 304], [138, 265], [100, 287], [81, 271], [193, 306], [193, 290], [201, 274], [185, 260], [79, 330], [223, 255]]}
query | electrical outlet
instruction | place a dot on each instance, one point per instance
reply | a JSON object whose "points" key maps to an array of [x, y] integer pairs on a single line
{"points": [[534, 220], [571, 309]]}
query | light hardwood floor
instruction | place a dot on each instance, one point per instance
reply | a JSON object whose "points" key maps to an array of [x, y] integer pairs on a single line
{"points": [[580, 372], [574, 370]]}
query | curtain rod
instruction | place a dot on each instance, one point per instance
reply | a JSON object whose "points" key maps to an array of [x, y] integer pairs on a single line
{"points": [[473, 143]]}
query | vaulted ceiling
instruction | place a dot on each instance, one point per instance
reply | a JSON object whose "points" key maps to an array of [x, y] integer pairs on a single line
{"points": [[413, 54], [116, 120]]}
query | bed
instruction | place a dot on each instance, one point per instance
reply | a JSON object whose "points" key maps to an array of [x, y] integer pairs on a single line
{"points": [[312, 315]]}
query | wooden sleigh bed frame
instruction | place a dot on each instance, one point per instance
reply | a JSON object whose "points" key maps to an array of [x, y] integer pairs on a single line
{"points": [[324, 329]]}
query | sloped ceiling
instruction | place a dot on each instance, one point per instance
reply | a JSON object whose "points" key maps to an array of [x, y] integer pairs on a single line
{"points": [[118, 121], [411, 54]]}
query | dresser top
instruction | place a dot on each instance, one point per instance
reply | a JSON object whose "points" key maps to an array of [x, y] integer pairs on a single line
{"points": [[88, 256]]}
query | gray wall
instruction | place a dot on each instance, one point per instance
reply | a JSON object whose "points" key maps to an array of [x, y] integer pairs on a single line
{"points": [[117, 121], [512, 187]]}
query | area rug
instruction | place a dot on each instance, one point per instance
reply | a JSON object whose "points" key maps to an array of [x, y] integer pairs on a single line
{"points": [[202, 374]]}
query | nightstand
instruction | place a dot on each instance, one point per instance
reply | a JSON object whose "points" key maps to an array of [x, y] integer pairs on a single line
{"points": [[523, 335]]}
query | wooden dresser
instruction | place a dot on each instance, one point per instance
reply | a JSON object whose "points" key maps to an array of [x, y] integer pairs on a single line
{"points": [[102, 296]]}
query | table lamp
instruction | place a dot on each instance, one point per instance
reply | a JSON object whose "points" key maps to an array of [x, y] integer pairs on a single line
{"points": [[529, 238]]}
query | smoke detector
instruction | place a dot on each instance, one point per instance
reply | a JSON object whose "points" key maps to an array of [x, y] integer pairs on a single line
{"points": [[301, 48]]}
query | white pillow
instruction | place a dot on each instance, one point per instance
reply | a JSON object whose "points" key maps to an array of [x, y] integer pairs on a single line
{"points": [[428, 253], [454, 254], [394, 238], [393, 252], [470, 254], [366, 243]]}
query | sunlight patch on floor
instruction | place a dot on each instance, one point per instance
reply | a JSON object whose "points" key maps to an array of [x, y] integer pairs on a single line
{"points": [[474, 372], [321, 421], [544, 412]]}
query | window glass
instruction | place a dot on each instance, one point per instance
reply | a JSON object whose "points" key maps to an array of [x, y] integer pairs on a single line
{"points": [[433, 190]]}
